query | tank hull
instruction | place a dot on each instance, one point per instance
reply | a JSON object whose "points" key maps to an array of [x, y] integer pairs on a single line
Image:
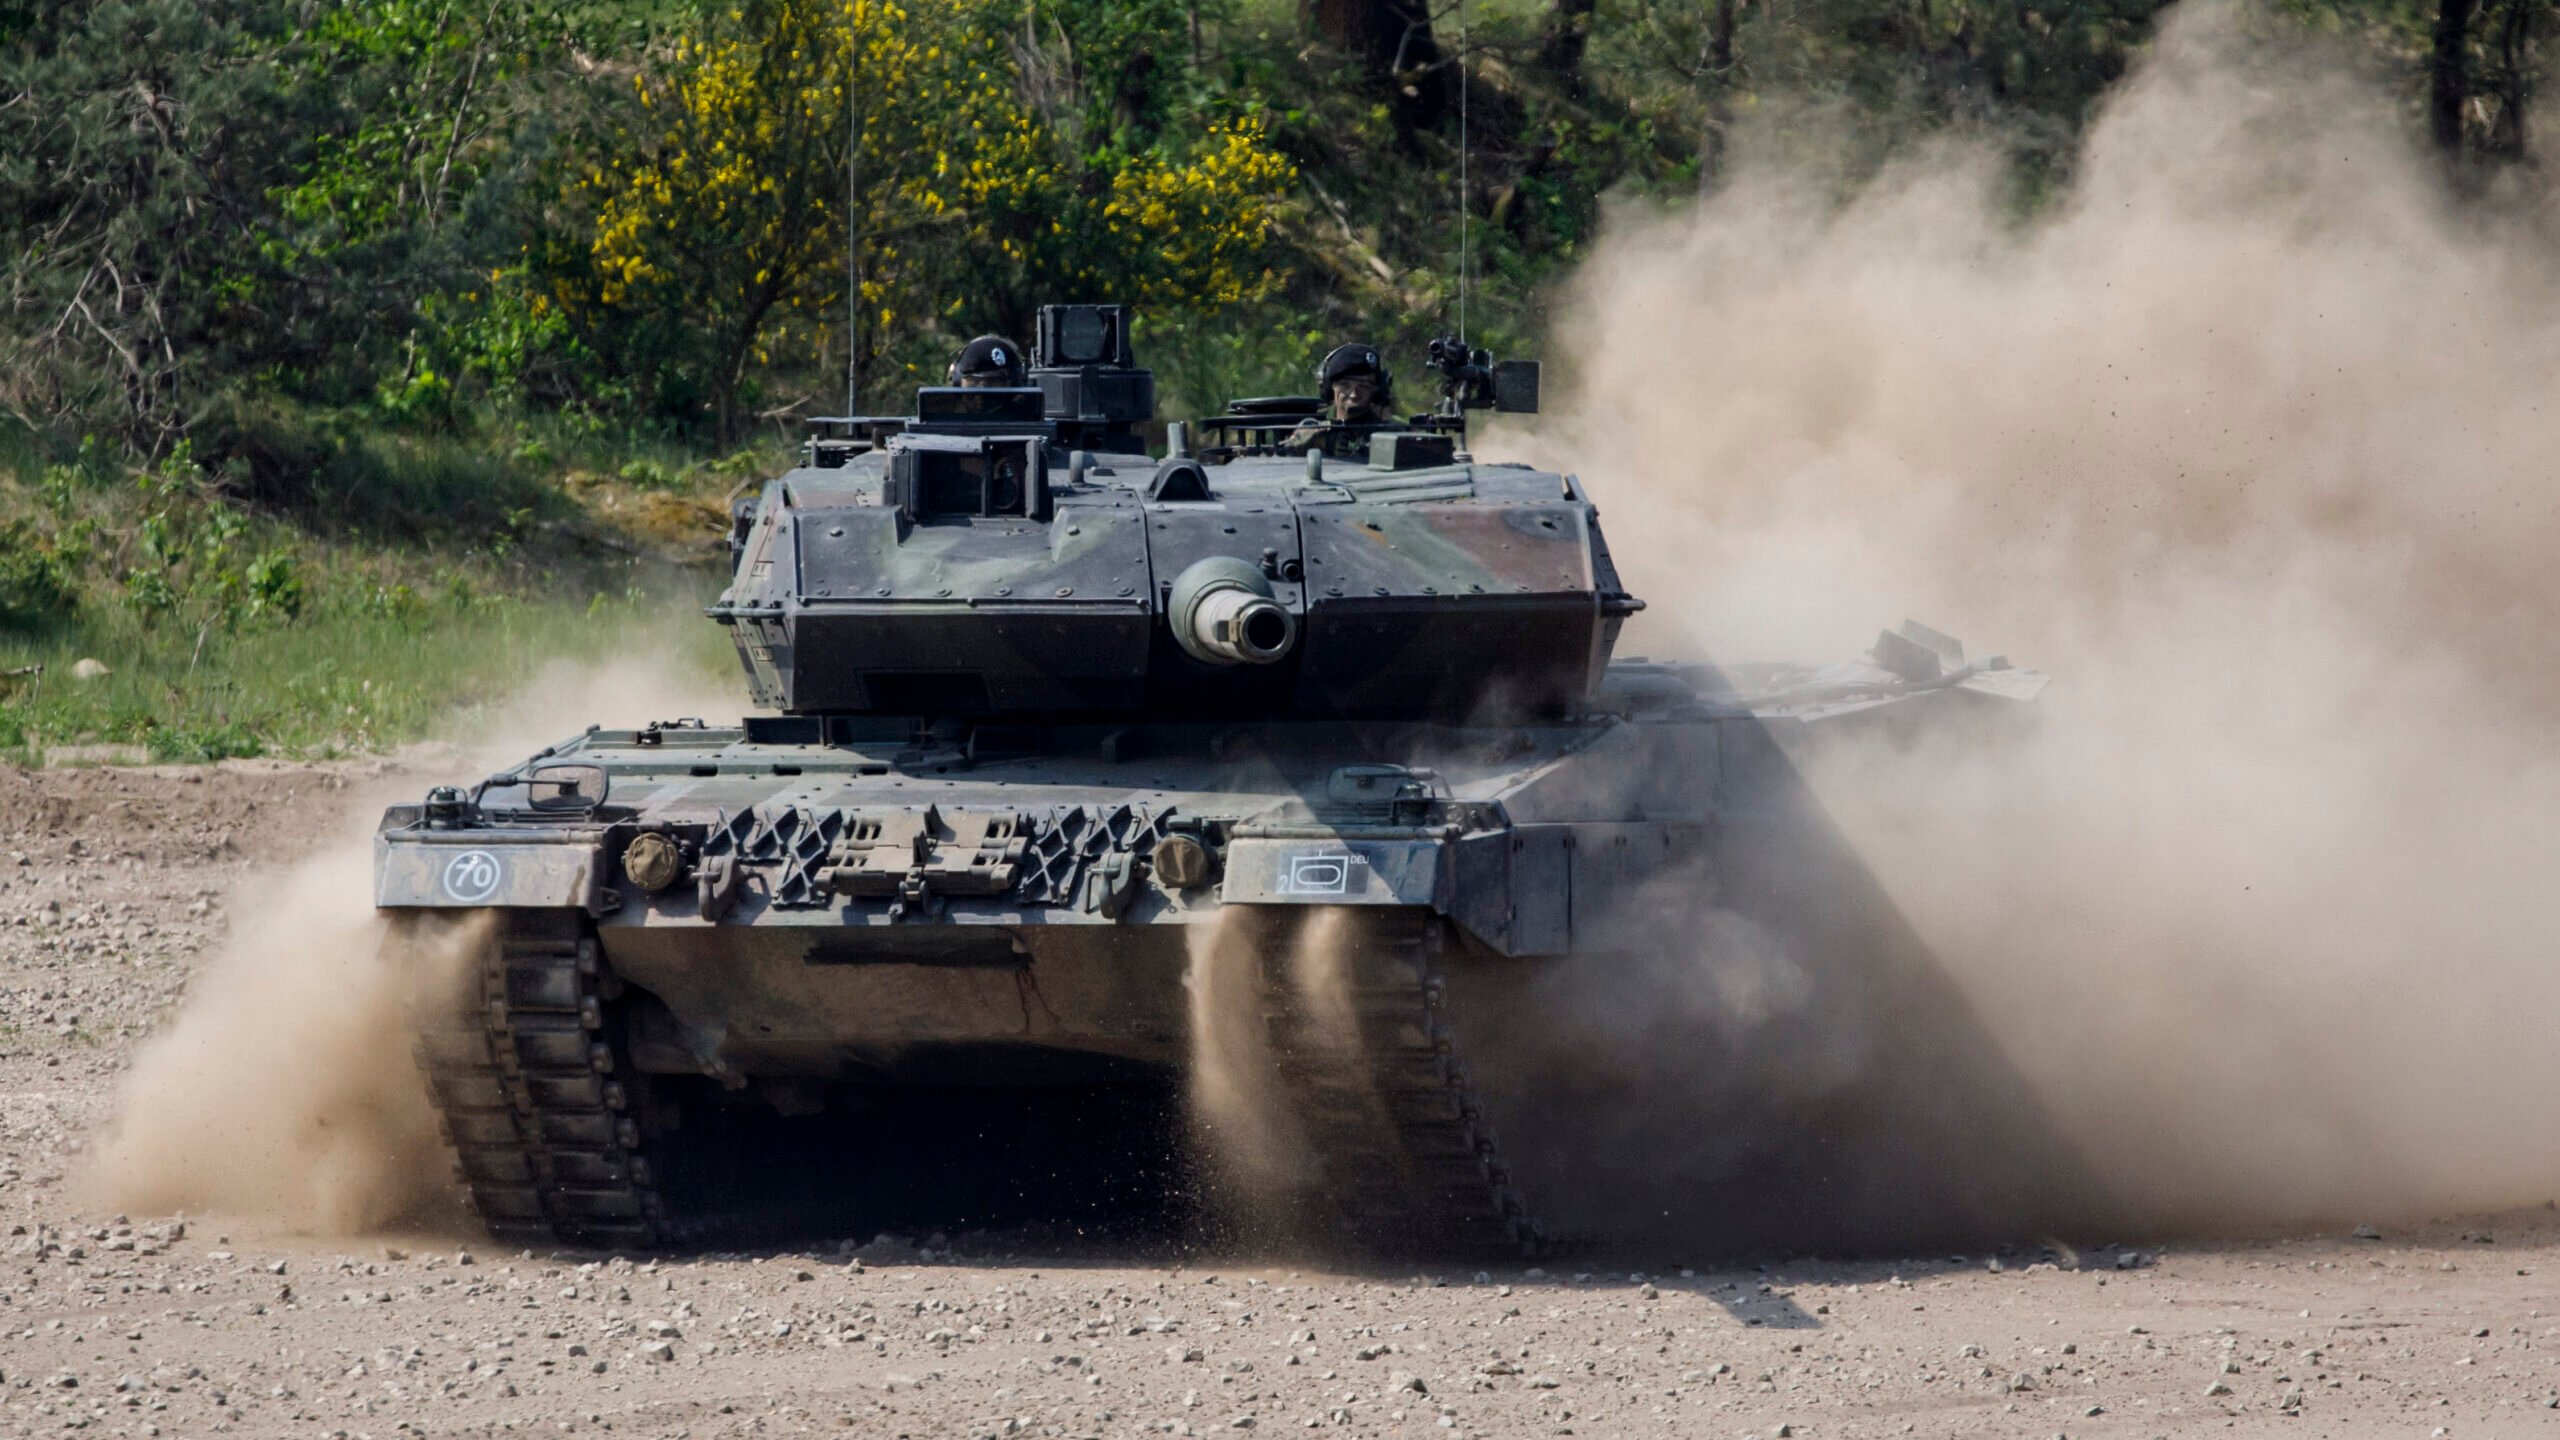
{"points": [[780, 913], [1057, 932]]}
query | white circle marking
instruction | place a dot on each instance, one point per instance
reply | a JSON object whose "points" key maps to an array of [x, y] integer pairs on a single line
{"points": [[473, 876]]}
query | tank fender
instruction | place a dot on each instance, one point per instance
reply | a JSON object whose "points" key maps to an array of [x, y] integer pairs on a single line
{"points": [[1313, 865], [1514, 889], [470, 872], [1510, 888]]}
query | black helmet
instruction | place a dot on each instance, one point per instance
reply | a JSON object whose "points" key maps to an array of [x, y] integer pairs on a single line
{"points": [[988, 360], [1356, 358]]}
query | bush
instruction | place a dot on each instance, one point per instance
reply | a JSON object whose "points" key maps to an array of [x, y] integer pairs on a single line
{"points": [[204, 744], [275, 585], [35, 582], [150, 593], [344, 472]]}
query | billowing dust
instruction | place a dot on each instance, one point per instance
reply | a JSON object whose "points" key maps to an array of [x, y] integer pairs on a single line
{"points": [[1321, 977], [2249, 442], [284, 1096], [1258, 1165], [1249, 1149]]}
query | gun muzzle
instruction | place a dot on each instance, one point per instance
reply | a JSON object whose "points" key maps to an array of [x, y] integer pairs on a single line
{"points": [[1223, 613], [1241, 628]]}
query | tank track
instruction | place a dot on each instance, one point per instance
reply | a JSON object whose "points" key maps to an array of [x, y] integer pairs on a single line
{"points": [[550, 1146], [1367, 1066]]}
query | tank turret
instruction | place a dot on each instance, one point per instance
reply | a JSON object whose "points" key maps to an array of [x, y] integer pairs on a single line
{"points": [[1015, 552]]}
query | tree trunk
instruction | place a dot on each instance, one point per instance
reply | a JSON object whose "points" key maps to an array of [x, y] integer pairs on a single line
{"points": [[1568, 36], [1392, 39], [2449, 73], [1136, 93], [731, 376], [1719, 74], [2515, 78], [1365, 28]]}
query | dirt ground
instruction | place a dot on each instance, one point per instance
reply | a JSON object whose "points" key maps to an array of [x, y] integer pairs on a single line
{"points": [[117, 885]]}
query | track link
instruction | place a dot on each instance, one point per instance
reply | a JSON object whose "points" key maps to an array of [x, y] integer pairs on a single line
{"points": [[1361, 1046], [524, 1075]]}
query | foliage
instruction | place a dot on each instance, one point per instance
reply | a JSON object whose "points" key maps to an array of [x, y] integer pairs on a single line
{"points": [[229, 632], [2474, 67], [632, 212], [719, 199], [36, 579], [347, 350], [201, 196], [2028, 75]]}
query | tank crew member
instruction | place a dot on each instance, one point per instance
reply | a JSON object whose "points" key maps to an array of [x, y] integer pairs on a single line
{"points": [[989, 360], [1357, 388]]}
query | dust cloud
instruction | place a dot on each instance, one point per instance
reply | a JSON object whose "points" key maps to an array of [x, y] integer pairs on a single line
{"points": [[1248, 1150], [284, 1095], [2248, 441], [279, 1094]]}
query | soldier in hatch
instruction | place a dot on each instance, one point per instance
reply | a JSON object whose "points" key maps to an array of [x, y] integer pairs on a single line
{"points": [[988, 361], [1358, 391]]}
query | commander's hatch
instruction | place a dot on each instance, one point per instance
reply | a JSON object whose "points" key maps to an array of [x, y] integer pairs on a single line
{"points": [[1256, 425]]}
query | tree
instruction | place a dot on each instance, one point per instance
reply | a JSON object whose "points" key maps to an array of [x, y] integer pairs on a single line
{"points": [[2476, 65], [1568, 37], [133, 175], [2449, 73], [725, 197], [195, 194], [1392, 40], [1716, 73], [719, 208], [2515, 76]]}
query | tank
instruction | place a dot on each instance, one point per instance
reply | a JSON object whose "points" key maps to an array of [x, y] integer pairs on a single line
{"points": [[1076, 766]]}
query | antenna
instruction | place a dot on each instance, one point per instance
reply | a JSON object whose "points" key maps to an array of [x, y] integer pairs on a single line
{"points": [[853, 211], [1466, 210]]}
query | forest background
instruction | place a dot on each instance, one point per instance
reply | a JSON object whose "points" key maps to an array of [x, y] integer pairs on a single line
{"points": [[357, 358]]}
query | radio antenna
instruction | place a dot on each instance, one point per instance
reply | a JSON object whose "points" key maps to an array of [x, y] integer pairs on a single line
{"points": [[1466, 208], [853, 211]]}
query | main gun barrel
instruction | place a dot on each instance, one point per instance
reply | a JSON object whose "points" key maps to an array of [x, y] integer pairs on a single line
{"points": [[1223, 613]]}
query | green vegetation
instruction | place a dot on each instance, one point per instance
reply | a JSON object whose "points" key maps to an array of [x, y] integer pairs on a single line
{"points": [[355, 357], [357, 669], [228, 631]]}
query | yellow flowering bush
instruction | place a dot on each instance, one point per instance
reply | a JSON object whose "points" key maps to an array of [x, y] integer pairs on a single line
{"points": [[1201, 219], [721, 201]]}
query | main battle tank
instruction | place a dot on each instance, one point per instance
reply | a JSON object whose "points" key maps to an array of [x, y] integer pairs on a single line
{"points": [[1051, 722]]}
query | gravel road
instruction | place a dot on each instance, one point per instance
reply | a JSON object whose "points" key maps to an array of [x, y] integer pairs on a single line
{"points": [[118, 886]]}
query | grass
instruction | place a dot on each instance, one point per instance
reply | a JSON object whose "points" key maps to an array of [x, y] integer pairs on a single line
{"points": [[402, 579], [334, 681]]}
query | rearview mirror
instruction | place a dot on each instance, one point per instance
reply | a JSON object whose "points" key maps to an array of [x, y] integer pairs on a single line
{"points": [[567, 787]]}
